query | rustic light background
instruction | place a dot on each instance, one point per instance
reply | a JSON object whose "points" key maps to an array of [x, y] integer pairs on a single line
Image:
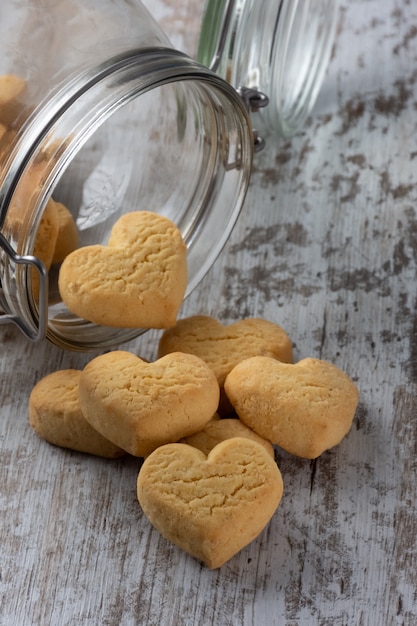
{"points": [[326, 246]]}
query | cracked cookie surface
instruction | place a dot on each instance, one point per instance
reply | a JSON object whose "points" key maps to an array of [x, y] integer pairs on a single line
{"points": [[305, 408], [140, 406], [137, 281], [55, 415], [210, 506]]}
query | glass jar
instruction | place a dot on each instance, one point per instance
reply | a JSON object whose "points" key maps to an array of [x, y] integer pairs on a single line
{"points": [[99, 112]]}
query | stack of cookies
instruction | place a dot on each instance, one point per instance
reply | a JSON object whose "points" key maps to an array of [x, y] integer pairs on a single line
{"points": [[205, 417]]}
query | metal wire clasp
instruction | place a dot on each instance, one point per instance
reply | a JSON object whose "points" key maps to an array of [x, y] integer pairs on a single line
{"points": [[40, 332], [254, 100]]}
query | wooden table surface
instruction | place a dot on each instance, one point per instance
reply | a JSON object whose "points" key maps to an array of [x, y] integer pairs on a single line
{"points": [[326, 246]]}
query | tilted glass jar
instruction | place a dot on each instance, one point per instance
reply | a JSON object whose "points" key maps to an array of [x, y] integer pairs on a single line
{"points": [[107, 117]]}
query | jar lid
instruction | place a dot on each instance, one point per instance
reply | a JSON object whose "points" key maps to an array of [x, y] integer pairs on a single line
{"points": [[280, 48]]}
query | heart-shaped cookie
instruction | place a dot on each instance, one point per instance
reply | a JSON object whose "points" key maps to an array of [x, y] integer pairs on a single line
{"points": [[212, 506], [305, 408], [140, 406], [218, 430], [137, 281], [68, 237], [223, 347], [45, 241], [55, 415]]}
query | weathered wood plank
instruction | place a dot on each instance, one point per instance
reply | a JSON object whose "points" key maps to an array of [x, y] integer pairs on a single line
{"points": [[326, 246]]}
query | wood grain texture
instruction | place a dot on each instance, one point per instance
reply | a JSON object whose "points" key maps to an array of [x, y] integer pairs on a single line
{"points": [[326, 246]]}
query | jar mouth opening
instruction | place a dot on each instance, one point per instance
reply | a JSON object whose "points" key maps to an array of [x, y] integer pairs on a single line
{"points": [[189, 158]]}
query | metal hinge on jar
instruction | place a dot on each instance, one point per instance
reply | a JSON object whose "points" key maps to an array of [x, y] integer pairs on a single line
{"points": [[39, 332]]}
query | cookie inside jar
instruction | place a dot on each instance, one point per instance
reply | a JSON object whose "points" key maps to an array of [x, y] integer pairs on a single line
{"points": [[181, 149]]}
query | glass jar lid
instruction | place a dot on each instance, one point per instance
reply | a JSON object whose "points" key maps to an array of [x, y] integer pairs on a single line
{"points": [[280, 48]]}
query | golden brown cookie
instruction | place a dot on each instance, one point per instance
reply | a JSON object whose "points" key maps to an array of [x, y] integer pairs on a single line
{"points": [[68, 237], [56, 416], [220, 430], [45, 241], [213, 506], [19, 218], [11, 88], [137, 281], [140, 406], [305, 408], [3, 143], [26, 195], [223, 347]]}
